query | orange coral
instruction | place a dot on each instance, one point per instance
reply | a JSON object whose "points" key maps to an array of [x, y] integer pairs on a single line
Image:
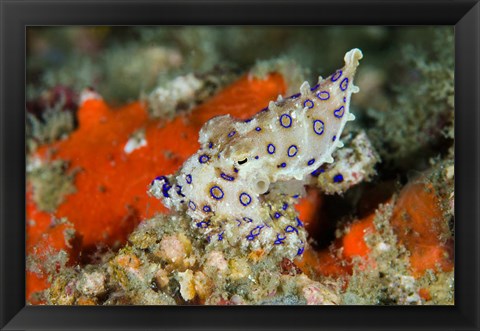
{"points": [[418, 223], [417, 220], [353, 242], [111, 186]]}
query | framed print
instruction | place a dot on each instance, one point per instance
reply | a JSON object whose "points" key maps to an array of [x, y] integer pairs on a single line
{"points": [[297, 162]]}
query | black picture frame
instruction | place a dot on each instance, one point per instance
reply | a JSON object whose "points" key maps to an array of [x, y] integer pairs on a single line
{"points": [[15, 15]]}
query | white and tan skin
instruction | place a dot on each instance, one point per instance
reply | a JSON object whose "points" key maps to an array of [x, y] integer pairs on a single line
{"points": [[240, 162]]}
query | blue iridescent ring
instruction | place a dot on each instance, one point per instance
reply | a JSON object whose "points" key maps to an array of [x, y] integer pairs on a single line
{"points": [[192, 205], [203, 224], [299, 222], [338, 178], [207, 209], [300, 250], [336, 76], [315, 87], [312, 161], [245, 199], [279, 240], [188, 178], [339, 112], [285, 121], [216, 192], [318, 127], [308, 103], [270, 149], [292, 151], [231, 134], [290, 228], [248, 219], [227, 177], [344, 84], [323, 95], [203, 158], [256, 231]]}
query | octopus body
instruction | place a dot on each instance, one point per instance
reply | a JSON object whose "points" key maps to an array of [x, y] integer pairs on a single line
{"points": [[241, 185]]}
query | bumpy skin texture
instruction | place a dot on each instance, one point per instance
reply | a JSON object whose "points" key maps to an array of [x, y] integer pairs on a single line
{"points": [[241, 185]]}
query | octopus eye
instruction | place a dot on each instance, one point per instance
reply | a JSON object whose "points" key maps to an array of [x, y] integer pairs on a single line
{"points": [[243, 161]]}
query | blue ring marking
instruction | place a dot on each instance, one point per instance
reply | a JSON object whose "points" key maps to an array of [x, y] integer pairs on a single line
{"points": [[338, 178], [339, 112], [257, 230], [294, 96], [334, 138], [158, 178], [256, 157], [299, 223], [235, 169], [279, 240], [291, 153], [323, 95], [231, 134], [242, 198], [208, 238], [188, 178], [247, 121], [203, 225], [300, 250], [210, 145], [182, 201], [277, 215], [336, 76], [317, 172], [290, 228], [165, 188], [248, 219], [344, 99], [318, 127], [238, 222], [192, 205], [312, 161], [315, 87], [227, 177], [207, 209], [220, 236], [295, 196], [285, 206], [344, 84], [308, 103], [215, 194], [179, 190], [258, 128], [203, 158], [283, 118], [283, 165], [271, 148]]}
